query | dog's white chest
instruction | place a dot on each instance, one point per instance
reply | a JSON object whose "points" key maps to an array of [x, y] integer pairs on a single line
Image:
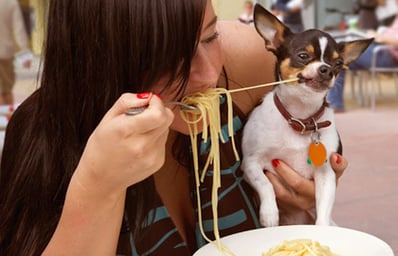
{"points": [[268, 136]]}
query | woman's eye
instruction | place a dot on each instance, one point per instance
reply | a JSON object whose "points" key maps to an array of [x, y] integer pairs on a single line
{"points": [[211, 38]]}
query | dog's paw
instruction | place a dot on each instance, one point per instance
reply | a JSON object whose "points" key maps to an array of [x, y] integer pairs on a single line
{"points": [[269, 216], [323, 222]]}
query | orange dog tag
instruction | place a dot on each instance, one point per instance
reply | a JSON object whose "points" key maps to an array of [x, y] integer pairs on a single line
{"points": [[317, 153]]}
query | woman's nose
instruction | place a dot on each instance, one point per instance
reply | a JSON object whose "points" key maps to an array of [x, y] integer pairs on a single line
{"points": [[205, 68]]}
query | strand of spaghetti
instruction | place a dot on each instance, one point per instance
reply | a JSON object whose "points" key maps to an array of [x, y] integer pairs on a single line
{"points": [[208, 105], [193, 131], [215, 132], [263, 85], [231, 123]]}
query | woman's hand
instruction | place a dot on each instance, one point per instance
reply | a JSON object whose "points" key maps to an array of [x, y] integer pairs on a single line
{"points": [[124, 149], [301, 192], [121, 151]]}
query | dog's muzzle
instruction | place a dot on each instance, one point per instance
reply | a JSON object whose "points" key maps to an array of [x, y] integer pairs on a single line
{"points": [[321, 80], [325, 73]]}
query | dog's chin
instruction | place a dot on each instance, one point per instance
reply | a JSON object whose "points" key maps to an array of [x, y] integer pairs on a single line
{"points": [[314, 84], [317, 85]]}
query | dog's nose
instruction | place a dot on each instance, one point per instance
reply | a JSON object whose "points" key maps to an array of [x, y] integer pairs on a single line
{"points": [[325, 72]]}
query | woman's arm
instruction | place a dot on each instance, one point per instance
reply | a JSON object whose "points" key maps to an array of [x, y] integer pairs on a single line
{"points": [[90, 223]]}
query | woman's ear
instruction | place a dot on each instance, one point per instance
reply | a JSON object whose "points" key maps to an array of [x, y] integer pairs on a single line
{"points": [[270, 28]]}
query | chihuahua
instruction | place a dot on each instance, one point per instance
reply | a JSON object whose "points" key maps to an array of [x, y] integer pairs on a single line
{"points": [[294, 122]]}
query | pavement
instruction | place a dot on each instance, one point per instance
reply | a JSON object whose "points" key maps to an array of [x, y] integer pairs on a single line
{"points": [[367, 195]]}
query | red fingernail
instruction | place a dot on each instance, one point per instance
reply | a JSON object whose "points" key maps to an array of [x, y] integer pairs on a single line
{"points": [[275, 163], [338, 159], [143, 95]]}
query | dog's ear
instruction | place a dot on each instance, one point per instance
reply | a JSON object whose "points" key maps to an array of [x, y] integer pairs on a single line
{"points": [[351, 51], [270, 28]]}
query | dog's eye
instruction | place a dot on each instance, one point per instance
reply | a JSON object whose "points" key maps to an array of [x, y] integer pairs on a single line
{"points": [[304, 56], [339, 63]]}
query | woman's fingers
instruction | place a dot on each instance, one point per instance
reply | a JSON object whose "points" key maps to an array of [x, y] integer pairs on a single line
{"points": [[293, 179], [126, 101], [338, 163], [287, 197], [291, 189], [154, 116]]}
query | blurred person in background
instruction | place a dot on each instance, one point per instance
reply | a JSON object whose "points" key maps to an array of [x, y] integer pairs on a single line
{"points": [[385, 59], [12, 30], [366, 10], [386, 11], [289, 11], [247, 16]]}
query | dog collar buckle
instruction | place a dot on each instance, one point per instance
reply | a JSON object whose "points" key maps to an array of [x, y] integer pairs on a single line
{"points": [[297, 125]]}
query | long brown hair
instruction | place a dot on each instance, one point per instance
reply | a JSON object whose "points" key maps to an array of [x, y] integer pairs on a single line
{"points": [[95, 51]]}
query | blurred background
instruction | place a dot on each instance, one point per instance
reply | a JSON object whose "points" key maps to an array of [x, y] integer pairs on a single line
{"points": [[318, 14]]}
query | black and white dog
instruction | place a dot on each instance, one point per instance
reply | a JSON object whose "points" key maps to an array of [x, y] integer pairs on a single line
{"points": [[294, 122]]}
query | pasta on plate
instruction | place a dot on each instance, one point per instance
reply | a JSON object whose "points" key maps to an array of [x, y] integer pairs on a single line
{"points": [[300, 247]]}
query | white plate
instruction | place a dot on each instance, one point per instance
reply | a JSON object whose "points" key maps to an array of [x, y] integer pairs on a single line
{"points": [[342, 241]]}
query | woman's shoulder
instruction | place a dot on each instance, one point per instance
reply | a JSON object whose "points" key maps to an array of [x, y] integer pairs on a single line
{"points": [[246, 61]]}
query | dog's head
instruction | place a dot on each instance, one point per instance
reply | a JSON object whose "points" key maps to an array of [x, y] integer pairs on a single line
{"points": [[313, 56]]}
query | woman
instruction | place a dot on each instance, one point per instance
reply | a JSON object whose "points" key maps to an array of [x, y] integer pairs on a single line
{"points": [[367, 18], [80, 177]]}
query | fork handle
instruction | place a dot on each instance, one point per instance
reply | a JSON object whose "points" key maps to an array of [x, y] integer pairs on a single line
{"points": [[135, 111], [138, 110]]}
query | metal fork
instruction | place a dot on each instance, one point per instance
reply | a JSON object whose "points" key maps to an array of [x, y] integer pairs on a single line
{"points": [[138, 110]]}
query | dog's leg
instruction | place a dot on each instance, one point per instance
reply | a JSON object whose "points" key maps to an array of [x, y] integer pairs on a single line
{"points": [[325, 190], [254, 175]]}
